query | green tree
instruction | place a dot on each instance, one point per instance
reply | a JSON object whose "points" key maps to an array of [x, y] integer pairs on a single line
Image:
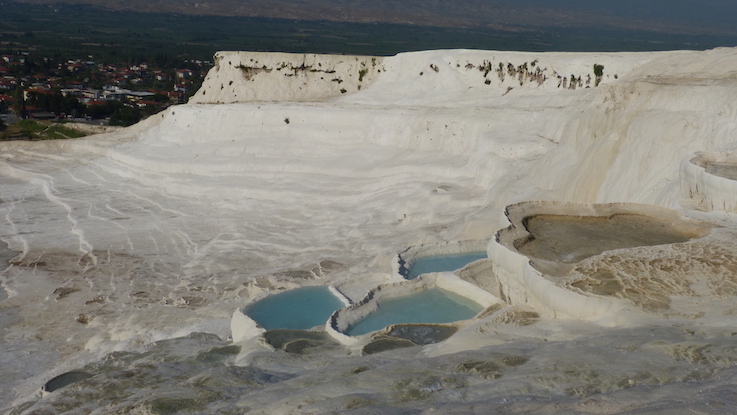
{"points": [[598, 70], [125, 116], [150, 109], [159, 97], [19, 104], [102, 110], [599, 73]]}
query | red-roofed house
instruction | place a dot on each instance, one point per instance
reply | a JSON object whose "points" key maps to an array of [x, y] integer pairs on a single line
{"points": [[97, 102], [27, 93]]}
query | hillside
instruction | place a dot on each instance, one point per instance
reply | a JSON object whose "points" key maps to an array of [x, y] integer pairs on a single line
{"points": [[677, 17]]}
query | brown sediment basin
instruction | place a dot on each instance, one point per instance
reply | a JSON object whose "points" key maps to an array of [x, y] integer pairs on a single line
{"points": [[722, 169], [570, 239]]}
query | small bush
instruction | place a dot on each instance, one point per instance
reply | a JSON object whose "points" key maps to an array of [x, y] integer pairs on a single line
{"points": [[125, 116], [598, 70], [58, 131], [30, 126]]}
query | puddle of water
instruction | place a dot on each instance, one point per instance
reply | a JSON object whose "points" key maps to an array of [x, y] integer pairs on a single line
{"points": [[441, 263], [570, 239], [430, 306], [298, 309], [65, 380], [726, 170]]}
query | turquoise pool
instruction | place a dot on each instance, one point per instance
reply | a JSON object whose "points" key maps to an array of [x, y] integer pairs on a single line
{"points": [[430, 306], [298, 309], [441, 263]]}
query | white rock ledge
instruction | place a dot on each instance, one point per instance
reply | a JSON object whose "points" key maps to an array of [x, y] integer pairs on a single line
{"points": [[523, 284], [241, 76], [712, 192], [342, 319], [274, 76], [404, 260], [243, 327]]}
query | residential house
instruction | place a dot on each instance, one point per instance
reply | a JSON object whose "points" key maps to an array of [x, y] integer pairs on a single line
{"points": [[184, 73]]}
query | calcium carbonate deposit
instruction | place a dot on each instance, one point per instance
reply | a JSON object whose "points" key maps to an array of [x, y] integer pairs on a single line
{"points": [[129, 254]]}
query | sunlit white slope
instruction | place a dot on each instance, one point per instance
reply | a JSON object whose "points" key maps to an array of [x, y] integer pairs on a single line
{"points": [[629, 141], [489, 106]]}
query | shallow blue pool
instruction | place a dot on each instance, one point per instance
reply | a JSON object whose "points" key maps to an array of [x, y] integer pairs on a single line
{"points": [[430, 306], [298, 309], [441, 263]]}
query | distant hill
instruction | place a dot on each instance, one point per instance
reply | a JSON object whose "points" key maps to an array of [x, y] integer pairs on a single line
{"points": [[696, 17]]}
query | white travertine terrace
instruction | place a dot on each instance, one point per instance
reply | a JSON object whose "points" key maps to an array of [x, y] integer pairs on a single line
{"points": [[268, 76], [708, 188], [343, 318], [243, 327], [405, 258], [273, 76], [532, 281]]}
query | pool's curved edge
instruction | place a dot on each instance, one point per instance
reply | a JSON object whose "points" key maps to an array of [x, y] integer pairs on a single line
{"points": [[243, 327], [711, 192], [339, 294], [404, 260], [521, 284], [343, 318]]}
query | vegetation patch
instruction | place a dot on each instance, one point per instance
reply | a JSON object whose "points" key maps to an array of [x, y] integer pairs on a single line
{"points": [[38, 130], [598, 73], [385, 343], [361, 74], [165, 406], [422, 334], [297, 341]]}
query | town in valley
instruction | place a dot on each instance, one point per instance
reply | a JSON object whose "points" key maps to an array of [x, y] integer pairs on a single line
{"points": [[44, 89]]}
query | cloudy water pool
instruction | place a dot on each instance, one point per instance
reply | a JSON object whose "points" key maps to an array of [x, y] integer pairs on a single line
{"points": [[441, 263], [570, 239], [726, 170], [298, 309], [429, 306]]}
